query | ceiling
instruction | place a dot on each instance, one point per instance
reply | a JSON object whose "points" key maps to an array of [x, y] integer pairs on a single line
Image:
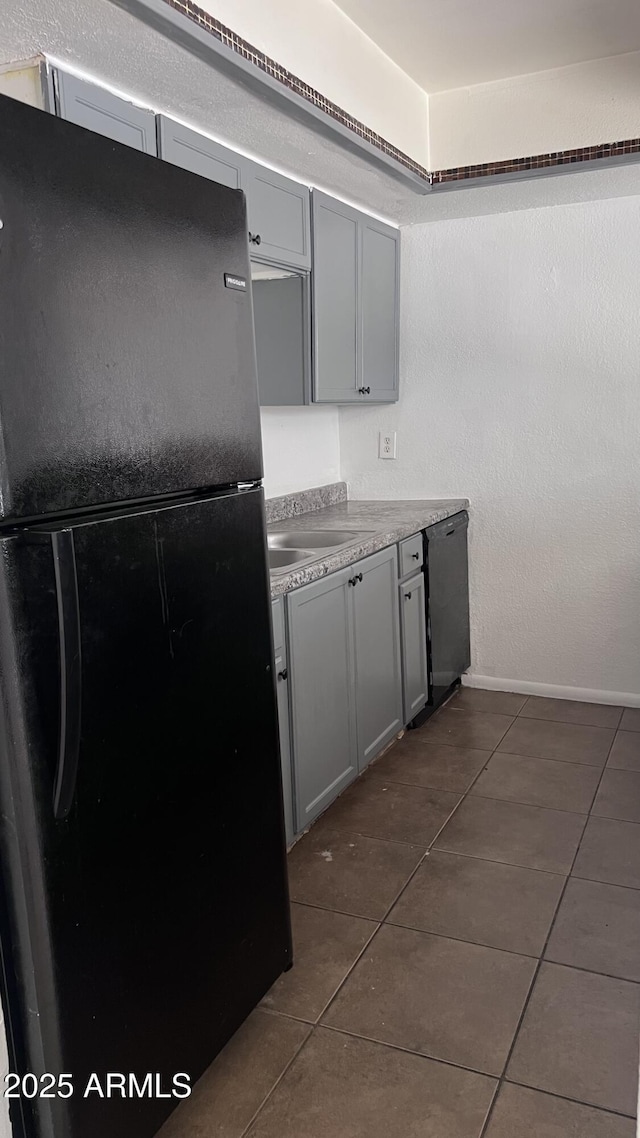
{"points": [[444, 44]]}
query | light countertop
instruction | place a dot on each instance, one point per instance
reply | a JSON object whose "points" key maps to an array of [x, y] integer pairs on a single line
{"points": [[387, 522]]}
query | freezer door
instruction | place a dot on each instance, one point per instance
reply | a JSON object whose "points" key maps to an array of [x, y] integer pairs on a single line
{"points": [[127, 367], [142, 802]]}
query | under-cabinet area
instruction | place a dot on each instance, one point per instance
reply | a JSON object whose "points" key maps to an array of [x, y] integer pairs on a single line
{"points": [[354, 656]]}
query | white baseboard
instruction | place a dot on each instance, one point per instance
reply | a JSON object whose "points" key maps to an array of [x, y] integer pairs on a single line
{"points": [[552, 691]]}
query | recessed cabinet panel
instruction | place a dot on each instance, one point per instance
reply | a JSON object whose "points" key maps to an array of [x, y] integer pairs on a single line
{"points": [[281, 321], [413, 622], [379, 300], [201, 155], [278, 216], [335, 301], [105, 113], [322, 693], [377, 639]]}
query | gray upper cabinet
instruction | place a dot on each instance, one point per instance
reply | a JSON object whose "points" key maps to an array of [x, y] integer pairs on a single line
{"points": [[277, 207], [356, 280], [278, 214], [99, 110], [193, 151], [413, 620], [335, 301], [374, 583], [379, 298], [322, 677]]}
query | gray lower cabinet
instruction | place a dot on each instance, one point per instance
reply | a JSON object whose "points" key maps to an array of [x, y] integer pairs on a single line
{"points": [[322, 686], [278, 217], [377, 653], [356, 283], [282, 694], [345, 677], [413, 621], [201, 155], [100, 110]]}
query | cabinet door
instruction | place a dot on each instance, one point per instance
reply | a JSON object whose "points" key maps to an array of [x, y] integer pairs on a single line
{"points": [[335, 301], [379, 313], [282, 692], [377, 641], [282, 696], [322, 693], [193, 151], [278, 215], [105, 113], [413, 624]]}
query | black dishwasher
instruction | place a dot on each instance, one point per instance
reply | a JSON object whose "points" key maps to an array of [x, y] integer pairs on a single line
{"points": [[447, 604]]}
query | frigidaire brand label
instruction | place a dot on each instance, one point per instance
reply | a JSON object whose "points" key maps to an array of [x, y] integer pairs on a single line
{"points": [[231, 281]]}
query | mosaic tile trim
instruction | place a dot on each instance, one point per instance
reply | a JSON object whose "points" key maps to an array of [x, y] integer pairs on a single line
{"points": [[437, 177], [270, 67], [537, 161]]}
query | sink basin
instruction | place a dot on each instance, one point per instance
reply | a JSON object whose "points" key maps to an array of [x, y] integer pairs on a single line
{"points": [[285, 558], [313, 539]]}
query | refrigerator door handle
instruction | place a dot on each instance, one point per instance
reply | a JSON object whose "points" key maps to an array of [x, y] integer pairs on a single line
{"points": [[66, 578]]}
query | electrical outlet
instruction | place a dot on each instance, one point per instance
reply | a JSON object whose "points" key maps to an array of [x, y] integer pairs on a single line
{"points": [[387, 444]]}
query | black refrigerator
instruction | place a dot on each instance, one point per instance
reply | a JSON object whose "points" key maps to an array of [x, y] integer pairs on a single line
{"points": [[144, 906]]}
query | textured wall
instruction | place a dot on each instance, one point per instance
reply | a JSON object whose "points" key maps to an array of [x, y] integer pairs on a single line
{"points": [[520, 388], [580, 105], [301, 448]]}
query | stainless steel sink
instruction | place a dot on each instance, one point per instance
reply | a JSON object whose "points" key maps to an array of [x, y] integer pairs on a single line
{"points": [[288, 548], [314, 539], [282, 559]]}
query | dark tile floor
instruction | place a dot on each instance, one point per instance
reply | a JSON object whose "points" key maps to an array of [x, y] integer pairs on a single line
{"points": [[466, 920]]}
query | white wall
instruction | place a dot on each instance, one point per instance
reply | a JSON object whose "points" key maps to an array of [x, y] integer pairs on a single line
{"points": [[301, 448], [520, 389], [581, 105], [318, 43]]}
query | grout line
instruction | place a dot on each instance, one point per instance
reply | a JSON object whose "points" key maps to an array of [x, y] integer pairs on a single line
{"points": [[408, 1051], [278, 1080], [536, 973], [567, 1098], [536, 805], [599, 881], [546, 759]]}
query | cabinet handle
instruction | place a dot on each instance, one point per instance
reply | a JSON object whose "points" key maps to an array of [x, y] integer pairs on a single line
{"points": [[416, 556], [407, 596], [354, 580], [283, 675], [359, 576], [364, 390], [255, 238]]}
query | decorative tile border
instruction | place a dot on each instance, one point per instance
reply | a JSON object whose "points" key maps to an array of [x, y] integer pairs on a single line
{"points": [[537, 161], [436, 177]]}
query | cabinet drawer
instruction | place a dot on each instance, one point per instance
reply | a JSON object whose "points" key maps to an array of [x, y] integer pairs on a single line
{"points": [[410, 554], [277, 619]]}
